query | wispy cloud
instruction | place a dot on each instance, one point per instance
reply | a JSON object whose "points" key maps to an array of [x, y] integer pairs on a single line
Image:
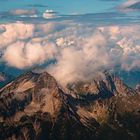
{"points": [[38, 5], [24, 13]]}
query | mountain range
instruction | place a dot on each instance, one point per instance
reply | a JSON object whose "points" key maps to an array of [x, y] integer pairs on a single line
{"points": [[34, 106]]}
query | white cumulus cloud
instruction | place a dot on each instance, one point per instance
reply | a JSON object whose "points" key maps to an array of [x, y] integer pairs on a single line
{"points": [[79, 50]]}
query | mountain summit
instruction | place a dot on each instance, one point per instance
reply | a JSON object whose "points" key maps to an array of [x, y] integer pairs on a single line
{"points": [[34, 106]]}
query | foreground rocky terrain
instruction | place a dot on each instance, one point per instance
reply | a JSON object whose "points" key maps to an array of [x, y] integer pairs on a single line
{"points": [[35, 107]]}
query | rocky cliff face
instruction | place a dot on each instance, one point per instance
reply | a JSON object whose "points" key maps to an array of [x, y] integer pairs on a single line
{"points": [[105, 86], [36, 100], [34, 106]]}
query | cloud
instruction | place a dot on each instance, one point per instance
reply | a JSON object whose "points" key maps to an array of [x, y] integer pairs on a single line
{"points": [[23, 12], [49, 14], [38, 5], [23, 55], [130, 5], [15, 31], [79, 62], [79, 50], [15, 14]]}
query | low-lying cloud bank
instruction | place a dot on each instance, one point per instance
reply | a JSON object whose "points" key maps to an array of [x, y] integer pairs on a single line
{"points": [[79, 50]]}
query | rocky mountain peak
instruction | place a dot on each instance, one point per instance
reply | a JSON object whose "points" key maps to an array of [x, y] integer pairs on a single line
{"points": [[30, 92], [34, 103], [105, 86]]}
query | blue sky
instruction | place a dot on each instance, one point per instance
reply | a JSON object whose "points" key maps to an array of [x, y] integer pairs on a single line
{"points": [[62, 6]]}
